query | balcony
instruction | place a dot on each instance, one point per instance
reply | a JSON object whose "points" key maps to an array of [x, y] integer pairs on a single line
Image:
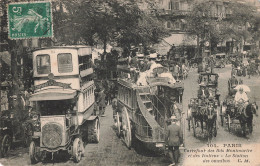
{"points": [[174, 12]]}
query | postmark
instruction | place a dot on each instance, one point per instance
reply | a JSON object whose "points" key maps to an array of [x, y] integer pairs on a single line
{"points": [[30, 20]]}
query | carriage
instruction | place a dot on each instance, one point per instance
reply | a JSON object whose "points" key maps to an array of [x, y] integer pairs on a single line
{"points": [[16, 125], [202, 111], [220, 60], [210, 80], [143, 110], [237, 117]]}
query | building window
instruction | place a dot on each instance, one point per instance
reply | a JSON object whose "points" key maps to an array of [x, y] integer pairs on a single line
{"points": [[176, 6], [65, 63], [183, 26], [177, 25], [170, 5], [168, 24], [43, 64]]}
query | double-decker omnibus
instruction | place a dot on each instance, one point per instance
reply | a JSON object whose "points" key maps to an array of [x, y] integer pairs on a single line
{"points": [[64, 99]]}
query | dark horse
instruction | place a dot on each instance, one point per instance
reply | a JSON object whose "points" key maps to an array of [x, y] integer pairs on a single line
{"points": [[246, 117], [208, 115]]}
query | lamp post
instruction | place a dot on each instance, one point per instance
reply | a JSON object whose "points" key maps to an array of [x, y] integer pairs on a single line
{"points": [[207, 37]]}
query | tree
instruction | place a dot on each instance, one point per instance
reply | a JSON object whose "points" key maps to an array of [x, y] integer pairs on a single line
{"points": [[117, 21], [234, 26]]}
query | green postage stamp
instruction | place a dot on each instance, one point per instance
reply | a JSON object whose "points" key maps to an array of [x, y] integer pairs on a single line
{"points": [[30, 20]]}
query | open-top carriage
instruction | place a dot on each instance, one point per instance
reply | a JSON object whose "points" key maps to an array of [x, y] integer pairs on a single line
{"points": [[16, 125], [143, 111], [238, 115], [203, 111]]}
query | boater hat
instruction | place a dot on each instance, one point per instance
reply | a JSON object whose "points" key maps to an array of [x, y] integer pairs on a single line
{"points": [[173, 118]]}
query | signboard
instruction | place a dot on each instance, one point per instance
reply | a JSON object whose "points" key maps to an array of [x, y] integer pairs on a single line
{"points": [[29, 20]]}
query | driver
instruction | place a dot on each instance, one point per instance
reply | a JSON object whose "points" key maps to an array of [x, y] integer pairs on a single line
{"points": [[234, 81], [241, 99], [241, 96], [203, 92]]}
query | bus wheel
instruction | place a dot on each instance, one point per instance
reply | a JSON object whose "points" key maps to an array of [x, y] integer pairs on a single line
{"points": [[126, 126], [118, 125], [77, 150]]}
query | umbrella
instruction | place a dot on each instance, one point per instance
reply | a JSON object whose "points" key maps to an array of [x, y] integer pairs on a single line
{"points": [[244, 87]]}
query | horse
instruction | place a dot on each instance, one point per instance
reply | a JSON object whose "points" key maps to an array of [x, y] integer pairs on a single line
{"points": [[246, 117], [211, 122]]}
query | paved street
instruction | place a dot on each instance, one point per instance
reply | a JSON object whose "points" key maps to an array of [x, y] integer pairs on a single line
{"points": [[112, 151]]}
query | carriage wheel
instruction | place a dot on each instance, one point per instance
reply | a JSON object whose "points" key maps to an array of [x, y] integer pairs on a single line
{"points": [[189, 124], [194, 126], [188, 118], [127, 135], [228, 122], [118, 125], [221, 115], [215, 128], [5, 145]]}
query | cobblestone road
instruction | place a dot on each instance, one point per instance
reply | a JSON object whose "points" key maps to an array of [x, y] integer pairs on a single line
{"points": [[111, 151]]}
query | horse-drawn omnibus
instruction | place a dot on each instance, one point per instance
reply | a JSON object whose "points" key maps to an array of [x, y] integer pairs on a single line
{"points": [[64, 99], [143, 110]]}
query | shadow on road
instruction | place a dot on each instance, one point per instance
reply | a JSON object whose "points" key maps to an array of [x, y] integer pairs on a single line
{"points": [[61, 157], [139, 147]]}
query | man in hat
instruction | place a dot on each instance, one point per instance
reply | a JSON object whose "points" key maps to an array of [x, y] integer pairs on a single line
{"points": [[241, 100], [175, 110], [101, 101], [203, 92], [174, 139], [241, 97], [234, 81]]}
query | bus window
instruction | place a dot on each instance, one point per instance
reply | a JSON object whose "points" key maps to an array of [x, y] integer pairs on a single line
{"points": [[43, 64], [65, 63]]}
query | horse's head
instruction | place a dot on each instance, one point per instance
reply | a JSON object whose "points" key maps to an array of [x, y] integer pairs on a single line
{"points": [[251, 108], [210, 112]]}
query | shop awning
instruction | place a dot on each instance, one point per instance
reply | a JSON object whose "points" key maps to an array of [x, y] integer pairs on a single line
{"points": [[181, 39], [53, 94]]}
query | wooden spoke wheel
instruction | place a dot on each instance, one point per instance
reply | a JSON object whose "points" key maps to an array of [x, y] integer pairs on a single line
{"points": [[34, 157], [5, 145], [189, 118], [215, 128], [77, 150], [126, 127], [229, 122], [221, 115], [118, 125], [193, 126]]}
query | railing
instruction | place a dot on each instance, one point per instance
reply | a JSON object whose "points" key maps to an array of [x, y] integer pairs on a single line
{"points": [[158, 134], [147, 123]]}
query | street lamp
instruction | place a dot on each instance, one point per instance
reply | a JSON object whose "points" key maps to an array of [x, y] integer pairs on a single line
{"points": [[207, 37]]}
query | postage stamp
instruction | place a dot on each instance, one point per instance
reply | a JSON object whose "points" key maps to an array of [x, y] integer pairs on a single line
{"points": [[30, 20]]}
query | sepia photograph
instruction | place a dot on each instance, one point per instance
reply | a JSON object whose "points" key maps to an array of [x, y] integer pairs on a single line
{"points": [[129, 82]]}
